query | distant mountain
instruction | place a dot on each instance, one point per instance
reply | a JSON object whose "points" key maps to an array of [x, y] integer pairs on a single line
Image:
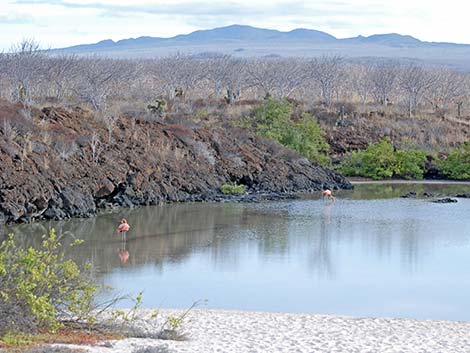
{"points": [[309, 34], [391, 40], [229, 33], [249, 41]]}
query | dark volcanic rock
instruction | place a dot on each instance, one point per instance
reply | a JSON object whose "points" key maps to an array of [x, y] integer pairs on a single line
{"points": [[145, 163], [445, 200], [105, 188], [411, 194], [463, 196], [77, 203], [428, 194], [55, 213]]}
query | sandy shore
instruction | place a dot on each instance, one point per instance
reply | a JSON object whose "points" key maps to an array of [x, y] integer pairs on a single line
{"points": [[237, 332]]}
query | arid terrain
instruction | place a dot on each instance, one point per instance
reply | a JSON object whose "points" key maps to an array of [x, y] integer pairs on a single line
{"points": [[62, 163]]}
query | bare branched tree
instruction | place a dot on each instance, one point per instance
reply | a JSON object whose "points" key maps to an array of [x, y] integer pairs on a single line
{"points": [[26, 68], [96, 147], [177, 82], [360, 82], [109, 121], [60, 71], [327, 71], [262, 75], [227, 75], [98, 78], [383, 76], [415, 81], [66, 149], [448, 87], [179, 73]]}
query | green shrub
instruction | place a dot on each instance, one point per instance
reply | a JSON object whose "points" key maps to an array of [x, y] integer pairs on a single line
{"points": [[228, 189], [306, 137], [457, 164], [381, 161], [410, 164], [273, 120], [40, 288]]}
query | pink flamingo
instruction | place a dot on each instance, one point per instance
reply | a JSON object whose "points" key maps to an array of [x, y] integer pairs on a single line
{"points": [[123, 228], [328, 195]]}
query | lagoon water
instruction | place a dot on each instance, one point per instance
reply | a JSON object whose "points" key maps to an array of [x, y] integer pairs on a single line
{"points": [[372, 253]]}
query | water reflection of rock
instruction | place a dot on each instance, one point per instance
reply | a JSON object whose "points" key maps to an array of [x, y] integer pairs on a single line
{"points": [[171, 233], [158, 234], [225, 233]]}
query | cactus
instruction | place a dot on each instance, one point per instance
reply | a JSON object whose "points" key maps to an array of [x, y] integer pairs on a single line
{"points": [[231, 96], [21, 93], [158, 108]]}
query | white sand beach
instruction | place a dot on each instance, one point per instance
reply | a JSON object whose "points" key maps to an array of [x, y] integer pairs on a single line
{"points": [[239, 332]]}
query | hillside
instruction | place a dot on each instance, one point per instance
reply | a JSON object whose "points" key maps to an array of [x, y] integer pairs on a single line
{"points": [[66, 163], [247, 41]]}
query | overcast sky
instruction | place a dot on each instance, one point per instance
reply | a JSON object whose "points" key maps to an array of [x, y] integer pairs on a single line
{"points": [[59, 23]]}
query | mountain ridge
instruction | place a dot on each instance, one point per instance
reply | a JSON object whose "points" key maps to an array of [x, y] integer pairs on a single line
{"points": [[247, 41], [245, 32]]}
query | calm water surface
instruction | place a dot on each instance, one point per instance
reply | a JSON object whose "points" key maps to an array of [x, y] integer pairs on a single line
{"points": [[370, 254]]}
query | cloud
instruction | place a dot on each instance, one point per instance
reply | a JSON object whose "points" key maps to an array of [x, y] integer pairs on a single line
{"points": [[16, 19], [119, 19], [219, 10]]}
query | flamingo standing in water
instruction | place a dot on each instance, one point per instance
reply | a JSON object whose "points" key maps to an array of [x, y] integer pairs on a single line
{"points": [[328, 195], [123, 228]]}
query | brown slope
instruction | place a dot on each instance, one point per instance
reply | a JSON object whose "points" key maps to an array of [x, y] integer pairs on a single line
{"points": [[47, 169]]}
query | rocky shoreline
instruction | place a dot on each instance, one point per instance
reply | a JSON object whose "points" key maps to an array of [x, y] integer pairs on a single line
{"points": [[67, 163]]}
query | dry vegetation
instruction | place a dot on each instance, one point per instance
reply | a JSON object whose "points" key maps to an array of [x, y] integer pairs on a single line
{"points": [[423, 106]]}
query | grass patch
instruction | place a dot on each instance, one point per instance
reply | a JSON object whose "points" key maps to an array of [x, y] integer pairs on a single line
{"points": [[228, 189], [66, 335]]}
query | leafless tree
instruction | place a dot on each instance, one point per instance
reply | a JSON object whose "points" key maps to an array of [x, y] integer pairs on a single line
{"points": [[262, 75], [327, 72], [178, 73], [4, 76], [30, 75], [66, 149], [360, 81], [227, 75], [25, 68], [448, 87], [60, 72], [9, 131], [414, 81], [109, 121], [98, 78], [383, 76], [291, 74], [96, 147]]}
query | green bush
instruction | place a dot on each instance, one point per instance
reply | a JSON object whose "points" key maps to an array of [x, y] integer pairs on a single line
{"points": [[457, 164], [410, 164], [381, 161], [273, 120], [40, 288], [228, 189]]}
